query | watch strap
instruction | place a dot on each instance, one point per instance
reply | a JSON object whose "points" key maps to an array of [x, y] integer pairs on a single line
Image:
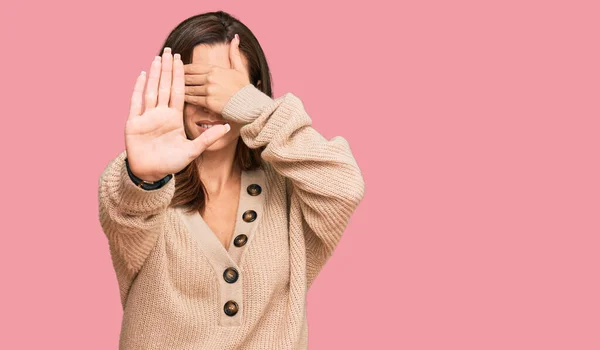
{"points": [[147, 185]]}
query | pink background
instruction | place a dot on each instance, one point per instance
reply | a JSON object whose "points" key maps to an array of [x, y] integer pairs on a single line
{"points": [[475, 124]]}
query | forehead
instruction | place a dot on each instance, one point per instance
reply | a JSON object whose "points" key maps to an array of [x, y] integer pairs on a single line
{"points": [[217, 55]]}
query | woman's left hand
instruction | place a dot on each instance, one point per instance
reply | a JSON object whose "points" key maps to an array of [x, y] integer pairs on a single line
{"points": [[212, 86]]}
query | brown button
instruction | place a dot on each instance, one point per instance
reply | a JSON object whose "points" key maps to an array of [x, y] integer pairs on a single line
{"points": [[249, 215], [240, 240], [254, 190], [231, 308], [230, 275]]}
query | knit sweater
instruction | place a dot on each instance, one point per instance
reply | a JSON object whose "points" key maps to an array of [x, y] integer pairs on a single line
{"points": [[181, 289]]}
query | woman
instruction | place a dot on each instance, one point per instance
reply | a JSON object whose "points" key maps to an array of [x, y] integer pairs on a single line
{"points": [[226, 203]]}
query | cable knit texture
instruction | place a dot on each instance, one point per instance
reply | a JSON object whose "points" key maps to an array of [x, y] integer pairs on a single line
{"points": [[170, 265]]}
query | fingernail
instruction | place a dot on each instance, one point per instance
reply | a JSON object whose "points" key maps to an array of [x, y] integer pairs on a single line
{"points": [[177, 56], [237, 37], [167, 49], [157, 58], [227, 127]]}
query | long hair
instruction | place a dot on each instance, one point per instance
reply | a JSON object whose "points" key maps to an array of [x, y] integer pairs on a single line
{"points": [[214, 28]]}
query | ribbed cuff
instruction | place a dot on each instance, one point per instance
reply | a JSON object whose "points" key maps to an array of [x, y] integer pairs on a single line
{"points": [[130, 197], [245, 106]]}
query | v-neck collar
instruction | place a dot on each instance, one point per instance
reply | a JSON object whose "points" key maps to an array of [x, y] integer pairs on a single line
{"points": [[248, 201]]}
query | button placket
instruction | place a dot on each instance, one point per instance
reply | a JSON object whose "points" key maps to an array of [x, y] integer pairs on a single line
{"points": [[227, 261], [252, 198], [249, 212]]}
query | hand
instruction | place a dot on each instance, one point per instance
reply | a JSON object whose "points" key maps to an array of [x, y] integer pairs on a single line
{"points": [[212, 86], [155, 141]]}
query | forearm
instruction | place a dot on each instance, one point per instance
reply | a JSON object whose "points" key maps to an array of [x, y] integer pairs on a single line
{"points": [[131, 217], [323, 174]]}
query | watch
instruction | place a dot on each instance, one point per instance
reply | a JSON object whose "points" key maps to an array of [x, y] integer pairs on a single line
{"points": [[147, 185]]}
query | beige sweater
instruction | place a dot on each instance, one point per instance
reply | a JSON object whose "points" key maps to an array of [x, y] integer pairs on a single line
{"points": [[178, 283]]}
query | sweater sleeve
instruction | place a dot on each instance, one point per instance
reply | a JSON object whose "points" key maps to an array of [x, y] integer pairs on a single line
{"points": [[131, 217], [325, 181]]}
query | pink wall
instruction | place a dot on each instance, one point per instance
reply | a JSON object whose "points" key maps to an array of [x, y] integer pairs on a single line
{"points": [[475, 124]]}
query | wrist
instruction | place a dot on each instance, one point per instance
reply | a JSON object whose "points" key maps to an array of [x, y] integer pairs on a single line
{"points": [[246, 105]]}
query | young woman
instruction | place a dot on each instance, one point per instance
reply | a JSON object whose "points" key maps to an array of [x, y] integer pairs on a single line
{"points": [[226, 203]]}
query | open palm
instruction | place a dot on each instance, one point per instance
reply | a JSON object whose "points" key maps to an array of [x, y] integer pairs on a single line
{"points": [[155, 140]]}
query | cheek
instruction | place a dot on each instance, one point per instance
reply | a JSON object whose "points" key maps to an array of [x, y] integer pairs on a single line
{"points": [[188, 110], [188, 126], [235, 129], [232, 135]]}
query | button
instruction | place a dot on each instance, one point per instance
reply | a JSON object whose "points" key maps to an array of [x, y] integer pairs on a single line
{"points": [[254, 190], [249, 215], [230, 275], [240, 240], [231, 308]]}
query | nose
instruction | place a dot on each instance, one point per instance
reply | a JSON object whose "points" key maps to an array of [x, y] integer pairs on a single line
{"points": [[213, 116]]}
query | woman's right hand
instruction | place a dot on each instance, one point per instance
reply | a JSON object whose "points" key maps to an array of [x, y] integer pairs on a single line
{"points": [[155, 140]]}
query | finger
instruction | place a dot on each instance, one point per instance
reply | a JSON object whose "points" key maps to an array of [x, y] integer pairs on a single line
{"points": [[234, 55], [197, 100], [152, 86], [178, 88], [197, 68], [196, 79], [135, 109], [164, 88], [207, 138], [200, 90]]}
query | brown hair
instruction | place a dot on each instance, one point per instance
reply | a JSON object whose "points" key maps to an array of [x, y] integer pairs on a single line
{"points": [[214, 28]]}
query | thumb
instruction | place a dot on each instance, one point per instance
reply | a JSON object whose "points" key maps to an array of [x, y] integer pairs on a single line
{"points": [[206, 139], [234, 55]]}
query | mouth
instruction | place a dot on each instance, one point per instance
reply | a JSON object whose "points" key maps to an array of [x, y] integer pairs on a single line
{"points": [[205, 125]]}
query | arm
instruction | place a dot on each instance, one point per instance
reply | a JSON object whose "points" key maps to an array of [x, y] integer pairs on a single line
{"points": [[130, 217], [325, 182]]}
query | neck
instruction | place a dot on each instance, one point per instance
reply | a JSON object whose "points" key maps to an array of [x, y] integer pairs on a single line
{"points": [[217, 169]]}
